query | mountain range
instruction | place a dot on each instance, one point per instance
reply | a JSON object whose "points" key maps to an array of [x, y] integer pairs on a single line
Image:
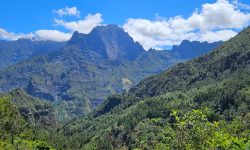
{"points": [[202, 103], [78, 75]]}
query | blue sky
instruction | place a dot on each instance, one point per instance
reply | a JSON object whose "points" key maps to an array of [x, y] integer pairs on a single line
{"points": [[154, 23], [30, 15]]}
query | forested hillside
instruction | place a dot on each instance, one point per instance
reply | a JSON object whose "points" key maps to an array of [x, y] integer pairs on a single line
{"points": [[25, 122], [200, 104]]}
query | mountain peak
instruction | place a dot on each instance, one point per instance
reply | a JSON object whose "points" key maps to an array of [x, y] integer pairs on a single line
{"points": [[76, 33], [24, 40], [185, 42], [110, 27], [109, 41]]}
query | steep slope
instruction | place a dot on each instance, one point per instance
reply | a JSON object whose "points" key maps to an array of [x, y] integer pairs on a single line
{"points": [[200, 104], [12, 52]]}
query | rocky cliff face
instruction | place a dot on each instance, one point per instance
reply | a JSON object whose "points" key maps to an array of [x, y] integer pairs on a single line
{"points": [[109, 41]]}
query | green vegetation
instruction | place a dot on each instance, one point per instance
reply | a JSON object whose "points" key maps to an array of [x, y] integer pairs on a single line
{"points": [[201, 104], [200, 118], [15, 131]]}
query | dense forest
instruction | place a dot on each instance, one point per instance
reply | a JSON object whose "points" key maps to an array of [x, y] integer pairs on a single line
{"points": [[203, 103]]}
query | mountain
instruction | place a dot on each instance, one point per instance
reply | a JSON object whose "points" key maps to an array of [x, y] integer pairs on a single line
{"points": [[80, 75], [109, 41], [189, 50], [200, 104], [87, 70], [12, 52]]}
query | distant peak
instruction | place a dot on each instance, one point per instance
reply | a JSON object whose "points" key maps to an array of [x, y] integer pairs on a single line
{"points": [[76, 33], [184, 42], [75, 37], [24, 39], [197, 42], [109, 28], [113, 26]]}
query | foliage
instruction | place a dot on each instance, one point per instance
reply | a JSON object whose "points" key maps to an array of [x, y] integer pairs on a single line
{"points": [[18, 132], [200, 104]]}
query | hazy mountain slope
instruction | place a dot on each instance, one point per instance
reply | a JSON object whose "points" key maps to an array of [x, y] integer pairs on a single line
{"points": [[200, 104], [12, 52], [189, 50]]}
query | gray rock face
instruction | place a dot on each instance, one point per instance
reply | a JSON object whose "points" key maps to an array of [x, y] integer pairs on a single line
{"points": [[109, 41]]}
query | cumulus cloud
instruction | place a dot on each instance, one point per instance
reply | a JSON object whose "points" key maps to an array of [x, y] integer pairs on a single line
{"points": [[12, 36], [40, 35], [67, 11], [7, 35], [52, 35], [213, 22], [84, 26], [213, 36]]}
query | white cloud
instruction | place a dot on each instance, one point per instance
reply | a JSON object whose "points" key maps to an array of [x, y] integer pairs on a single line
{"points": [[213, 36], [84, 26], [67, 11], [212, 23], [12, 36], [7, 35], [40, 35], [53, 35]]}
